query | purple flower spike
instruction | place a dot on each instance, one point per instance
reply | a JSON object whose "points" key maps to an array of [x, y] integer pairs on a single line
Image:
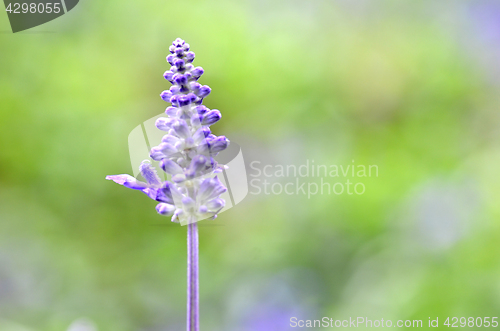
{"points": [[186, 153]]}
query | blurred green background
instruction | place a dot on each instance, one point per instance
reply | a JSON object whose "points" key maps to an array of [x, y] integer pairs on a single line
{"points": [[410, 86]]}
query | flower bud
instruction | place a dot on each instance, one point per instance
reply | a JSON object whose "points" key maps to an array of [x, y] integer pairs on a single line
{"points": [[197, 72], [166, 95], [165, 209], [211, 117], [204, 91]]}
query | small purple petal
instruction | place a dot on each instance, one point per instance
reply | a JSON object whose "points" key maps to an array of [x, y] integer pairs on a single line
{"points": [[162, 151], [215, 204], [184, 101], [168, 75], [174, 100], [171, 167], [211, 188], [175, 89], [201, 134], [219, 144], [181, 128], [211, 117], [190, 56], [203, 147], [171, 111], [204, 91], [179, 63], [151, 192], [179, 79], [177, 215], [165, 209], [170, 59], [188, 202], [164, 194], [166, 95], [178, 42], [191, 97], [169, 139], [201, 109], [198, 163], [197, 72], [196, 120], [164, 123], [179, 178], [127, 181], [195, 87]]}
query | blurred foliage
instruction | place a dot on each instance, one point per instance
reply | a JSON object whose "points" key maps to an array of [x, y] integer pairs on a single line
{"points": [[401, 85]]}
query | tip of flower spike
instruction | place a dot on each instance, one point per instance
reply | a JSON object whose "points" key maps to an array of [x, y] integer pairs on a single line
{"points": [[178, 42]]}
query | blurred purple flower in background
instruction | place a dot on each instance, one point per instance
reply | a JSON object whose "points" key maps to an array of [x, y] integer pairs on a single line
{"points": [[486, 17], [82, 324], [481, 33], [268, 304]]}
